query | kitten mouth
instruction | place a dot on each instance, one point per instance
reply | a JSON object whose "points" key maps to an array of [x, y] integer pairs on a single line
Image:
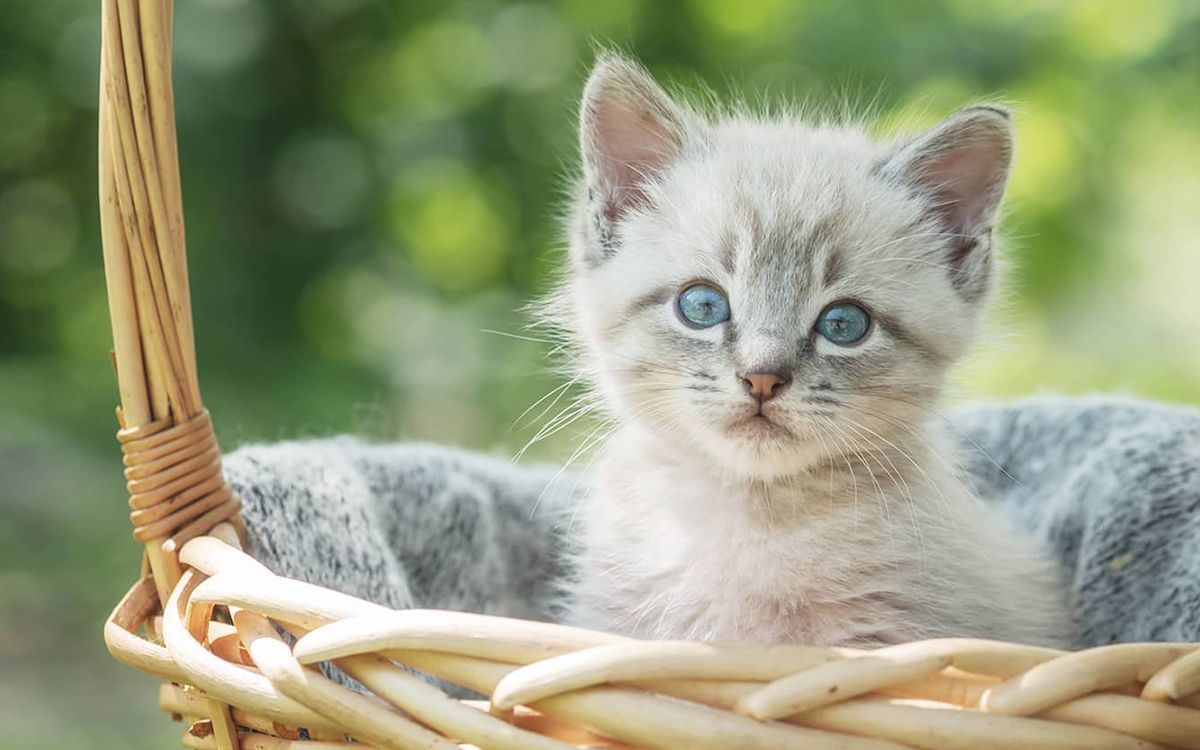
{"points": [[759, 426]]}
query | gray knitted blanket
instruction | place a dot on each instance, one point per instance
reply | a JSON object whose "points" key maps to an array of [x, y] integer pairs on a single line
{"points": [[1110, 486]]}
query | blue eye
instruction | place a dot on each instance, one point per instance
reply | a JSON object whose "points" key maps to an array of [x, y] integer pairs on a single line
{"points": [[703, 306], [843, 323]]}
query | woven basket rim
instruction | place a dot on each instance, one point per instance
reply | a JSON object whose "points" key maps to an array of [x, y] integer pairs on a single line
{"points": [[547, 682]]}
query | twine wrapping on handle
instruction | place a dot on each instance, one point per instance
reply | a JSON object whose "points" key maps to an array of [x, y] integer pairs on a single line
{"points": [[174, 480]]}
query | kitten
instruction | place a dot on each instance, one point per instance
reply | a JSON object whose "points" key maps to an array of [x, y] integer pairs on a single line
{"points": [[767, 309]]}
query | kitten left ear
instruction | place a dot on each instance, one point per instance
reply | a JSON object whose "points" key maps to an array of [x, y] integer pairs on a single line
{"points": [[962, 166], [630, 130]]}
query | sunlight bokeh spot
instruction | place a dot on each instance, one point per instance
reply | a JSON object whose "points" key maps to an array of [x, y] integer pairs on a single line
{"points": [[1046, 167], [454, 227], [436, 68], [545, 42], [77, 61], [323, 181], [1118, 28], [219, 35], [745, 17]]}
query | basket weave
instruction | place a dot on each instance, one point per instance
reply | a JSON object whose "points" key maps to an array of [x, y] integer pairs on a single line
{"points": [[206, 618]]}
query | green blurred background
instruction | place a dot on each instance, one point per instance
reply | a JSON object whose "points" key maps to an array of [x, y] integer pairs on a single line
{"points": [[370, 187]]}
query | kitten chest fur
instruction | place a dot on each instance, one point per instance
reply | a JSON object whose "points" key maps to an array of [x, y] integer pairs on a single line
{"points": [[853, 555]]}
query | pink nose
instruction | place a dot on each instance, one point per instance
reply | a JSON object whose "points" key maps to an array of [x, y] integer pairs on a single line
{"points": [[765, 386]]}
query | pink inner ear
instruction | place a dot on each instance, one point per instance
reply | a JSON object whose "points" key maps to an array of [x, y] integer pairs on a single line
{"points": [[967, 180], [630, 146]]}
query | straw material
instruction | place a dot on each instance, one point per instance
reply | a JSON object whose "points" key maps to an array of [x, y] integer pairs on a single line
{"points": [[556, 687], [173, 463], [206, 618]]}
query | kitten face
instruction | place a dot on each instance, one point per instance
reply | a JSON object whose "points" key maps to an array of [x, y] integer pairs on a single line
{"points": [[783, 222]]}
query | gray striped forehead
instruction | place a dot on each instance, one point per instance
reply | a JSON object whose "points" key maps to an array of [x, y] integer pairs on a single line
{"points": [[790, 252], [781, 255]]}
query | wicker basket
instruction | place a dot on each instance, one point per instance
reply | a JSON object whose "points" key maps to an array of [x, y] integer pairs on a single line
{"points": [[204, 617]]}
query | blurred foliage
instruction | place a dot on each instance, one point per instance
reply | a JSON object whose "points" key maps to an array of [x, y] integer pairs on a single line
{"points": [[371, 187]]}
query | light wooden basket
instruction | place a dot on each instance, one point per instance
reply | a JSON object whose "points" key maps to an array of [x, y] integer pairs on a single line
{"points": [[206, 618]]}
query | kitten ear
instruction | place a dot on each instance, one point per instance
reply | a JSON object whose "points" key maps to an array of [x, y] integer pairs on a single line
{"points": [[629, 131], [962, 166]]}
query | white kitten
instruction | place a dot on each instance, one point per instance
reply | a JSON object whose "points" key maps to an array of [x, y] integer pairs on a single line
{"points": [[767, 309]]}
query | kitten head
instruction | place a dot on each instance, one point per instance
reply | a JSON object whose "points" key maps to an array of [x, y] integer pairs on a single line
{"points": [[769, 294]]}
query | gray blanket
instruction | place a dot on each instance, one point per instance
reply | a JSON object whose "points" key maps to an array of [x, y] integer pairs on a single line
{"points": [[1110, 486]]}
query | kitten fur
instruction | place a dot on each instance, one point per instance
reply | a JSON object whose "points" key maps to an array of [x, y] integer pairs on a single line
{"points": [[838, 515]]}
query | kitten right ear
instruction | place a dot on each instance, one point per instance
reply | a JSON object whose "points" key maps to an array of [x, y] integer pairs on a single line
{"points": [[962, 166], [629, 131]]}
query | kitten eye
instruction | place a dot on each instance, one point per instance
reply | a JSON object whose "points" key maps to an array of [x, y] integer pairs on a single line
{"points": [[843, 323], [703, 306]]}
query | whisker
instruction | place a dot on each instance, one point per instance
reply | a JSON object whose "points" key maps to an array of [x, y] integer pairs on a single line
{"points": [[519, 337], [560, 390], [897, 476], [949, 423]]}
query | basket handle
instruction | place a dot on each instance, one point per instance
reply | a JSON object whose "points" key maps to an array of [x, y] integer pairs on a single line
{"points": [[172, 460]]}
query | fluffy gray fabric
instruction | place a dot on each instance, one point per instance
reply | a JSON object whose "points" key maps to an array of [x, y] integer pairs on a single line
{"points": [[1110, 486]]}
